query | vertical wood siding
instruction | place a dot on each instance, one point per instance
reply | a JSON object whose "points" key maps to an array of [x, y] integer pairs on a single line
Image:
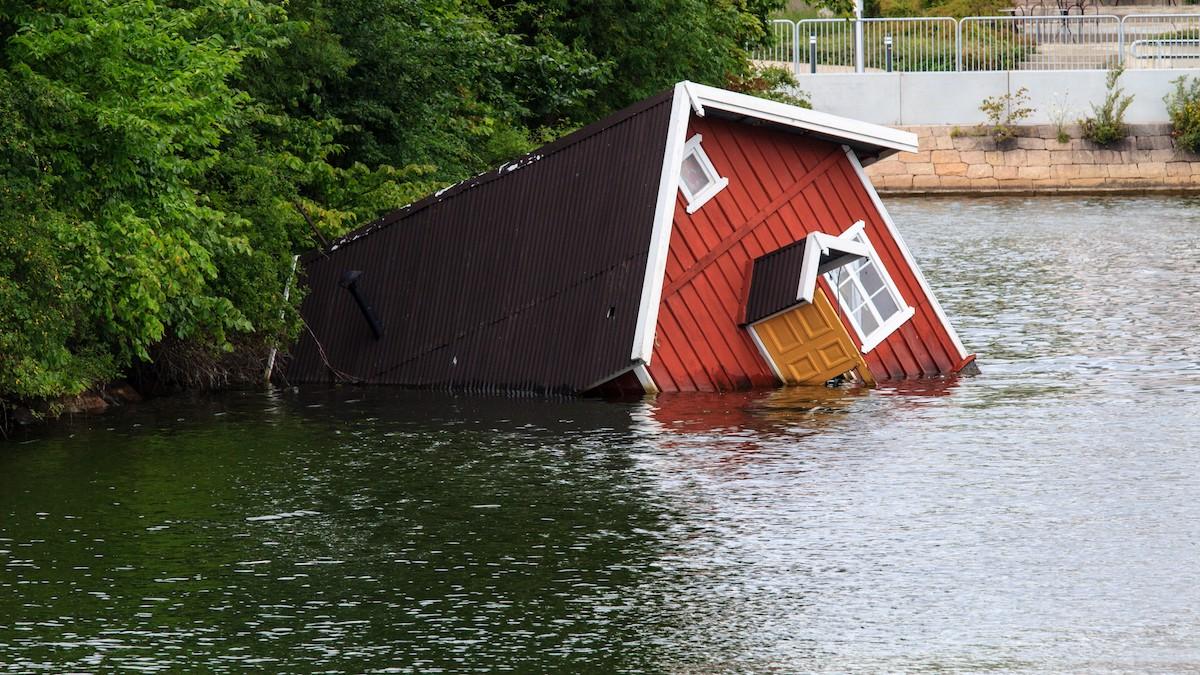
{"points": [[781, 187]]}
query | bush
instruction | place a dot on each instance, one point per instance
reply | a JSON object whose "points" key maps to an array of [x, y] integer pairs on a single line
{"points": [[1183, 106], [1107, 123], [1004, 113], [776, 84]]}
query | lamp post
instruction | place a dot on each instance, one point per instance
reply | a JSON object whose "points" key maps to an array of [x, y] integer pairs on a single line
{"points": [[859, 65]]}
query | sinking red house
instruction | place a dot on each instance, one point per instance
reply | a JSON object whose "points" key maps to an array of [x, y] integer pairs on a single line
{"points": [[698, 240]]}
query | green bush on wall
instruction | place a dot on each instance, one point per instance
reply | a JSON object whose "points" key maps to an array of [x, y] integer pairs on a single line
{"points": [[1183, 107], [1107, 123]]}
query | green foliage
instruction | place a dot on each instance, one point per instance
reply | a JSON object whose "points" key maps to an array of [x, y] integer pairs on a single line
{"points": [[776, 84], [641, 48], [120, 108], [161, 163], [910, 8], [1004, 113], [1183, 107], [1107, 123]]}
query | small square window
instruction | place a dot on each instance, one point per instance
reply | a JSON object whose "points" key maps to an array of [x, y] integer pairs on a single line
{"points": [[698, 178]]}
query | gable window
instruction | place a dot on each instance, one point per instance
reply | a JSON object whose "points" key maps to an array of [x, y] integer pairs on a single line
{"points": [[868, 295], [698, 178]]}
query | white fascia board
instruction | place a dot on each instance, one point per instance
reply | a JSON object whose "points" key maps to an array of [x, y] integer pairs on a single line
{"points": [[660, 237], [643, 376], [762, 350], [841, 243], [808, 269], [701, 96], [908, 257], [817, 244]]}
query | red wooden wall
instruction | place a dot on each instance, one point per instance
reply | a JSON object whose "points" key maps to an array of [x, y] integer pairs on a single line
{"points": [[781, 187]]}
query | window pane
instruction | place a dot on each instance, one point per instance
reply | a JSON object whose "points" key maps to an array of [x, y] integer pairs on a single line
{"points": [[871, 280], [693, 174], [849, 295], [866, 321], [886, 305]]}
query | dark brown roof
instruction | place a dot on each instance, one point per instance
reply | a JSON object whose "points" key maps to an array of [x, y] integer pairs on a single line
{"points": [[525, 278], [775, 282], [776, 277]]}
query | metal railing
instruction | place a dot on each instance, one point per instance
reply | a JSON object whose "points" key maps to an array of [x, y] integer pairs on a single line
{"points": [[907, 44], [1162, 40], [1039, 42], [1062, 42]]}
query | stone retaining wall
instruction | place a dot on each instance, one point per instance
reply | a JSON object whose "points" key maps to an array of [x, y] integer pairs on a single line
{"points": [[957, 160]]}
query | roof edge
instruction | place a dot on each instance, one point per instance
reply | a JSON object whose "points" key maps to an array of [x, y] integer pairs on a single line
{"points": [[659, 245], [863, 133]]}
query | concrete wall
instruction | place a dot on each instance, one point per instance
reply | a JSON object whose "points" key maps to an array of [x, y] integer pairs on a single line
{"points": [[1036, 161], [899, 99]]}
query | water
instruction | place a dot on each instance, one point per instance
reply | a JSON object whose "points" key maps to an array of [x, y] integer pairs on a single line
{"points": [[1042, 517]]}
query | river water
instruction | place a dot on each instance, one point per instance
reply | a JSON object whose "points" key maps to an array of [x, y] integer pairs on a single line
{"points": [[1041, 517]]}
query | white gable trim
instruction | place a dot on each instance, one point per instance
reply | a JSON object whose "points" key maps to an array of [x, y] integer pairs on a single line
{"points": [[818, 244], [703, 97], [643, 376], [762, 350], [660, 236], [908, 257]]}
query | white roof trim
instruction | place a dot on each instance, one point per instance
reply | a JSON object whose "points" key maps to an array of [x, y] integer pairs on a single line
{"points": [[817, 244], [908, 256], [660, 236], [701, 97]]}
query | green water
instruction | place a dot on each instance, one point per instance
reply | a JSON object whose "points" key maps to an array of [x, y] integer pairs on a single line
{"points": [[1041, 517]]}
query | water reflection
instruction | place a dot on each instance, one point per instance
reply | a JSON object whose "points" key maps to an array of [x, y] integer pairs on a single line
{"points": [[1039, 517]]}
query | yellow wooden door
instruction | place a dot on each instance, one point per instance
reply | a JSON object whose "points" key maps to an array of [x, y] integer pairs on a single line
{"points": [[809, 344]]}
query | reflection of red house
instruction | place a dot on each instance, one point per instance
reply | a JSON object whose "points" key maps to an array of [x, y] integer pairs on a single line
{"points": [[700, 240]]}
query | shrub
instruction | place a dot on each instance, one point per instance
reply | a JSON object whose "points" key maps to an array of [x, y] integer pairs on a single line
{"points": [[1059, 112], [776, 84], [1107, 123], [1004, 113], [1183, 106]]}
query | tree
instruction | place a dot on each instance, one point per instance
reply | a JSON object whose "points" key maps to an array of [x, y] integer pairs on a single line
{"points": [[162, 162]]}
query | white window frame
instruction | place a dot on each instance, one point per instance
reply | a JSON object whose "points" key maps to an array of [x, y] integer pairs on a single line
{"points": [[716, 182], [885, 328]]}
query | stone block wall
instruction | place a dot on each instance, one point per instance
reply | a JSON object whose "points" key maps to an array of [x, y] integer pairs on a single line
{"points": [[956, 160]]}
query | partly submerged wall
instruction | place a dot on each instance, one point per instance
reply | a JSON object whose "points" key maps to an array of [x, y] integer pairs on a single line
{"points": [[955, 160]]}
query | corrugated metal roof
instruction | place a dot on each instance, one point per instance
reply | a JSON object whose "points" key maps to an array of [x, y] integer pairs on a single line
{"points": [[523, 278], [775, 282]]}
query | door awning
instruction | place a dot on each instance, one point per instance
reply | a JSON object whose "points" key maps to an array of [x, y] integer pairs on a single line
{"points": [[787, 277]]}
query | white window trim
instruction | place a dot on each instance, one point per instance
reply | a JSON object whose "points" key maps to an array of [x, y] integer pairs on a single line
{"points": [[716, 181], [816, 245], [890, 326]]}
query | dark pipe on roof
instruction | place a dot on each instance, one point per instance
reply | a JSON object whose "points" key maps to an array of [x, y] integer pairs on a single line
{"points": [[349, 281]]}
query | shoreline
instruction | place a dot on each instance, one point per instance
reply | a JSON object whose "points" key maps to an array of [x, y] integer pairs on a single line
{"points": [[957, 160], [1166, 191]]}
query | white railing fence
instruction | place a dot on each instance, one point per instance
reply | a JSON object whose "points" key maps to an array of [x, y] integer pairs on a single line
{"points": [[1162, 40], [1039, 42], [933, 44]]}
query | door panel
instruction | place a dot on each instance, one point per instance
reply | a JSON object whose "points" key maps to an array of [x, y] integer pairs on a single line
{"points": [[809, 344]]}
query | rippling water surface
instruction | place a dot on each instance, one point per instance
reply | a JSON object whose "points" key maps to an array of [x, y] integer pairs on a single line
{"points": [[1044, 516]]}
